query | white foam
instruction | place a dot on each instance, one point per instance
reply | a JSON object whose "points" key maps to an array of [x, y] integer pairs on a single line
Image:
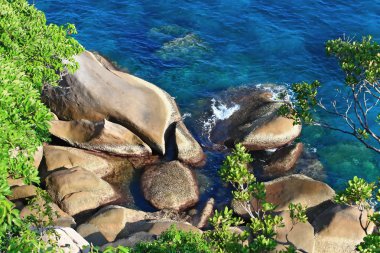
{"points": [[186, 115], [220, 111], [279, 92]]}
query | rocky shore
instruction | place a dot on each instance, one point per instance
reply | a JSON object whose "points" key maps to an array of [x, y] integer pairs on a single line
{"points": [[109, 125]]}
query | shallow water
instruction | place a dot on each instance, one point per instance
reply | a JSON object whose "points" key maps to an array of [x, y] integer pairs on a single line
{"points": [[197, 49]]}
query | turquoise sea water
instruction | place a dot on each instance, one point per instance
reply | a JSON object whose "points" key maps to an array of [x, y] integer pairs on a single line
{"points": [[197, 49]]}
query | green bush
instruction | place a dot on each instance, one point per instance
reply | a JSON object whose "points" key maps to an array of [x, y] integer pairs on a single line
{"points": [[263, 223], [33, 55], [361, 194]]}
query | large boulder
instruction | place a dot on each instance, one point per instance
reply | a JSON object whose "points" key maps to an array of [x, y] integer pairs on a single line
{"points": [[23, 192], [188, 149], [170, 186], [256, 124], [283, 160], [77, 190], [57, 157], [116, 223], [109, 223], [338, 229], [300, 234], [37, 157], [295, 188], [59, 217], [12, 182], [102, 135], [96, 93], [201, 219]]}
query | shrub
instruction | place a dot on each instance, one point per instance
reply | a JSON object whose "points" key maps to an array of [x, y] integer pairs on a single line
{"points": [[33, 54], [361, 194]]}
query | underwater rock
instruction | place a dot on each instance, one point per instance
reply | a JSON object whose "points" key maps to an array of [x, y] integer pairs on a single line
{"points": [[309, 165], [171, 30], [188, 46]]}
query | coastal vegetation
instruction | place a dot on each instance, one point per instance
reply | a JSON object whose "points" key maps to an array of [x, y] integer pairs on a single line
{"points": [[36, 56], [33, 54], [357, 100]]}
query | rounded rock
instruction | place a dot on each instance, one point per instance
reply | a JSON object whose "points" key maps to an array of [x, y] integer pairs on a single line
{"points": [[170, 186]]}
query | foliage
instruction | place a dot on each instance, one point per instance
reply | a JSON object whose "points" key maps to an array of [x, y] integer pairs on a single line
{"points": [[370, 244], [42, 214], [357, 101], [360, 61], [173, 240], [33, 54], [119, 249], [358, 192], [251, 195], [222, 239], [361, 194], [297, 213], [21, 238], [305, 102]]}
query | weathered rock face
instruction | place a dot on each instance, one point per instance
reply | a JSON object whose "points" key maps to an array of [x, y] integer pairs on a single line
{"points": [[116, 223], [38, 156], [338, 229], [170, 186], [189, 150], [106, 62], [15, 182], [292, 189], [256, 124], [110, 223], [57, 157], [103, 136], [68, 240], [96, 93], [301, 235], [297, 189], [60, 218], [77, 190], [201, 220], [23, 192], [283, 160]]}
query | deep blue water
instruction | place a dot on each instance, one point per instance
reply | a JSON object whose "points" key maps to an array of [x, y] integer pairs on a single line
{"points": [[230, 44]]}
